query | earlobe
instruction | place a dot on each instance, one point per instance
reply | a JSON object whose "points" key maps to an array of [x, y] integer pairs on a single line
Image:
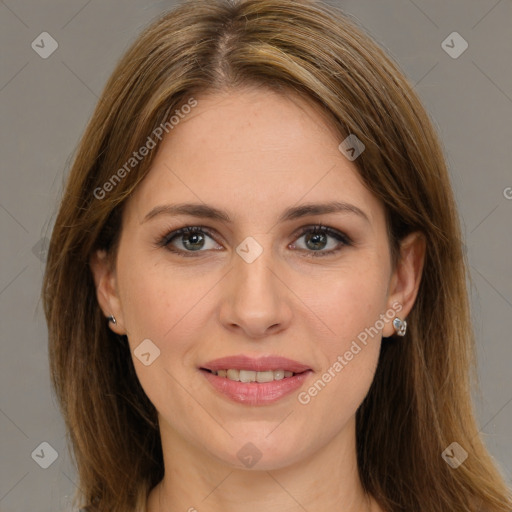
{"points": [[406, 278], [104, 276]]}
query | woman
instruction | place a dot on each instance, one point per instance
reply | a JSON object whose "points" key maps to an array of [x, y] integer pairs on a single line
{"points": [[255, 288]]}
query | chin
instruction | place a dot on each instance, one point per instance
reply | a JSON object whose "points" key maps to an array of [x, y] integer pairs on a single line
{"points": [[262, 452]]}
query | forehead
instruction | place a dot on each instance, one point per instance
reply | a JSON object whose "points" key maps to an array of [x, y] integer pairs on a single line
{"points": [[252, 152]]}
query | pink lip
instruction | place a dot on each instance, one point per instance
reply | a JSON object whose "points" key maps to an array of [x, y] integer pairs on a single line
{"points": [[260, 364], [256, 393]]}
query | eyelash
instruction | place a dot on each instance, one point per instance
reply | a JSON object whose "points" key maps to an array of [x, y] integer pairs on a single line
{"points": [[344, 240]]}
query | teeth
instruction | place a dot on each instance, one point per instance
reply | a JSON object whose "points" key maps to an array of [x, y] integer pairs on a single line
{"points": [[233, 374], [252, 376], [247, 376]]}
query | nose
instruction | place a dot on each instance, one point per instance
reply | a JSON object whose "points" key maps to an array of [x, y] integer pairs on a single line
{"points": [[256, 302]]}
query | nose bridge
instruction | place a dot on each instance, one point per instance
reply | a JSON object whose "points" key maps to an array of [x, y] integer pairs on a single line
{"points": [[256, 299], [252, 265]]}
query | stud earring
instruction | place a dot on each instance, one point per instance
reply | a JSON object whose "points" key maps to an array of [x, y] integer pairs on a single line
{"points": [[112, 319], [400, 326]]}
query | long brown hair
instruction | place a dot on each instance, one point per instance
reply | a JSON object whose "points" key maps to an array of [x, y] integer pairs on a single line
{"points": [[419, 402]]}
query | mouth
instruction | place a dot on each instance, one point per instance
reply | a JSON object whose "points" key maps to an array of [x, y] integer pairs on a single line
{"points": [[255, 381], [260, 364], [251, 375]]}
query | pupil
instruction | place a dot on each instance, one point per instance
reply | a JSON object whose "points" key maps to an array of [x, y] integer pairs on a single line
{"points": [[317, 238], [186, 240]]}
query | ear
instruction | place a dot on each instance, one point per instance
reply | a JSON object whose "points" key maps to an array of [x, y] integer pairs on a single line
{"points": [[406, 278], [105, 280]]}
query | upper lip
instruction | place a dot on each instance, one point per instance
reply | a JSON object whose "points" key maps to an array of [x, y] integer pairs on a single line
{"points": [[259, 364]]}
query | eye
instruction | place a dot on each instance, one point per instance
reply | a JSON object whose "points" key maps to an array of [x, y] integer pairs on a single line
{"points": [[190, 238], [317, 238]]}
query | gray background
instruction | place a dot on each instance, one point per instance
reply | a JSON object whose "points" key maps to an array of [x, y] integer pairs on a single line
{"points": [[45, 104]]}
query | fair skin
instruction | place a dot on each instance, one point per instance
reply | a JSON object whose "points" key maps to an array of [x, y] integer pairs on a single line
{"points": [[254, 153]]}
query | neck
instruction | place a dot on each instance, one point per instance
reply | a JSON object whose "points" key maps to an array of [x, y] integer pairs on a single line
{"points": [[194, 481]]}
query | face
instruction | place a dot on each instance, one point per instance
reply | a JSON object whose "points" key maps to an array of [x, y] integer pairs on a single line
{"points": [[254, 284]]}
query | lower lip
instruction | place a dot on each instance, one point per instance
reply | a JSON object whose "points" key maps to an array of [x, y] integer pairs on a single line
{"points": [[256, 393]]}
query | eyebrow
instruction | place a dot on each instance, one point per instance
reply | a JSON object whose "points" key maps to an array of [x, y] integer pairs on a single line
{"points": [[206, 211]]}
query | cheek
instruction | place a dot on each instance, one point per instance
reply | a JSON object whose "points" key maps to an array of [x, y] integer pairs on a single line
{"points": [[159, 303], [144, 300], [347, 336], [348, 303], [164, 309]]}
